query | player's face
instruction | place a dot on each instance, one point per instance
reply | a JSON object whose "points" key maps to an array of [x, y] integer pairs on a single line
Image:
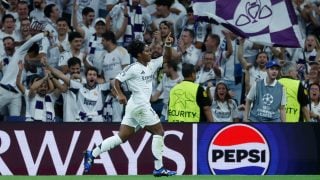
{"points": [[91, 77], [146, 55]]}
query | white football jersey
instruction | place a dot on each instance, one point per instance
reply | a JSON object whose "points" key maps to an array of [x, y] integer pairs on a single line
{"points": [[139, 79], [90, 101], [113, 62]]}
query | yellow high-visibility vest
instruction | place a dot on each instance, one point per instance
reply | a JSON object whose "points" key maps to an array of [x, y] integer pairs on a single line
{"points": [[183, 105], [292, 105]]}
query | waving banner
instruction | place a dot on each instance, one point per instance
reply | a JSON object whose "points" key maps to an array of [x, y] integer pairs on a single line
{"points": [[268, 22]]}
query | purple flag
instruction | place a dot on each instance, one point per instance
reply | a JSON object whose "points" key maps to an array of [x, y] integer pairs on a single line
{"points": [[268, 22]]}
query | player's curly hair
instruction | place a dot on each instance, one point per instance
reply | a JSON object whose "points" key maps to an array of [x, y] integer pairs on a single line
{"points": [[136, 47]]}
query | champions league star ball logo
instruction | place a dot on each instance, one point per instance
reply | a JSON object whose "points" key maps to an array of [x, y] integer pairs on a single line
{"points": [[267, 99], [238, 149]]}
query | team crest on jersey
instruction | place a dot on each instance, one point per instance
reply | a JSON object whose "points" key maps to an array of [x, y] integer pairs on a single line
{"points": [[238, 149]]}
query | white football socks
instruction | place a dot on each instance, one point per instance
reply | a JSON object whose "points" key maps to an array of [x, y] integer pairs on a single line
{"points": [[157, 150], [106, 145]]}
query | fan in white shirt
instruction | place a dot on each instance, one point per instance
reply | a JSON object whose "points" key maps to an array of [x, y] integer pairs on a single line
{"points": [[314, 93], [75, 39], [209, 71], [115, 58], [40, 98], [256, 72], [70, 106], [8, 29], [85, 28], [9, 96], [59, 44], [223, 108], [89, 95]]}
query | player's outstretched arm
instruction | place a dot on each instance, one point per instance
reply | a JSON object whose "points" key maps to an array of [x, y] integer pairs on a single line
{"points": [[168, 51]]}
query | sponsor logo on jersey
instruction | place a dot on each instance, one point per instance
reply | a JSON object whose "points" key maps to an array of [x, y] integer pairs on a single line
{"points": [[89, 102]]}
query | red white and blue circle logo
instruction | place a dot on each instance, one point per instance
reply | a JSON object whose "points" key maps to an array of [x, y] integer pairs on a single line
{"points": [[238, 149]]}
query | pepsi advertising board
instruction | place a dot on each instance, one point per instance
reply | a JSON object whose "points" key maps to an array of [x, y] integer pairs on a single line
{"points": [[258, 149]]}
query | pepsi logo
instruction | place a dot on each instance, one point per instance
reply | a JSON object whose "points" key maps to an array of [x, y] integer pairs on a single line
{"points": [[238, 149]]}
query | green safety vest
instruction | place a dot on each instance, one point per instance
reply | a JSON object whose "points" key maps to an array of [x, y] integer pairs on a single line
{"points": [[292, 105], [183, 105]]}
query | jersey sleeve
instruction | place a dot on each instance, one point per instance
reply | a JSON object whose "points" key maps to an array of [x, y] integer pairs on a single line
{"points": [[126, 73], [156, 63]]}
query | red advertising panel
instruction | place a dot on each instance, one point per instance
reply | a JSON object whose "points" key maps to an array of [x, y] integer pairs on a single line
{"points": [[56, 149]]}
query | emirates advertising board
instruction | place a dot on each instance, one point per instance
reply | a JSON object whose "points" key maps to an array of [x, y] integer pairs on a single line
{"points": [[216, 148]]}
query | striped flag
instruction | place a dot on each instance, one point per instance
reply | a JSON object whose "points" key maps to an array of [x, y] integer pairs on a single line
{"points": [[268, 22]]}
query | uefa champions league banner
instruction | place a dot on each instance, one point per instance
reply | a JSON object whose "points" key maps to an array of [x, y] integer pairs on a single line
{"points": [[258, 149], [215, 148]]}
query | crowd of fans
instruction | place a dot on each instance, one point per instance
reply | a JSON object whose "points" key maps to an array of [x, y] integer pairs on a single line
{"points": [[59, 58]]}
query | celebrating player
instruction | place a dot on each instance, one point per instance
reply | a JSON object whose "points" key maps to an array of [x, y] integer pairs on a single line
{"points": [[138, 110]]}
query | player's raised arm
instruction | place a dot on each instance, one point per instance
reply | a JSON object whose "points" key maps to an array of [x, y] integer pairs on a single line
{"points": [[167, 51]]}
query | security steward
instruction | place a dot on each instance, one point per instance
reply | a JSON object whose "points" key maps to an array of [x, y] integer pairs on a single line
{"points": [[189, 102]]}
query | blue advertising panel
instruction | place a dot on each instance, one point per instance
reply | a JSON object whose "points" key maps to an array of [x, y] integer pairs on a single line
{"points": [[275, 148]]}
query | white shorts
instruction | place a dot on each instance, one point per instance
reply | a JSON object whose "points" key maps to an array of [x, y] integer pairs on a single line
{"points": [[140, 115]]}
